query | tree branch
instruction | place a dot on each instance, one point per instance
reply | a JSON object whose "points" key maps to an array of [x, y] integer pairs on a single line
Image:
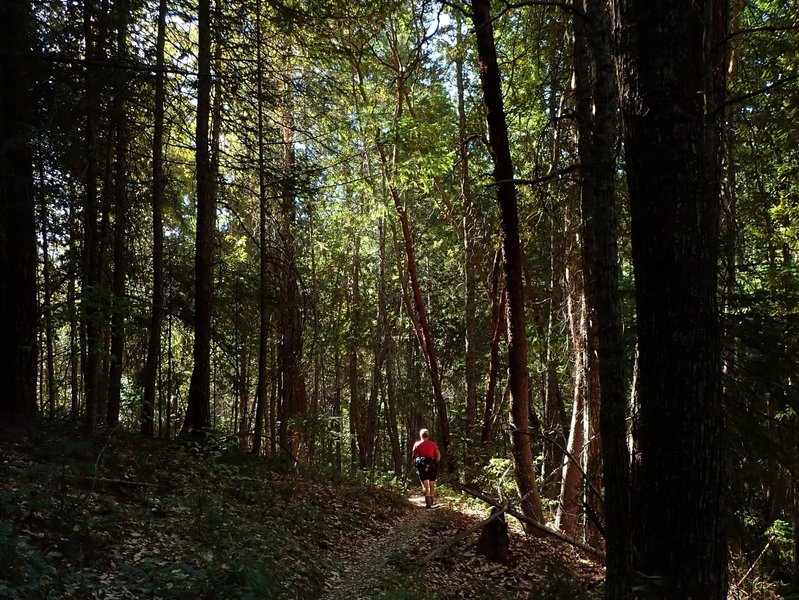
{"points": [[762, 90], [566, 6], [540, 526], [557, 174]]}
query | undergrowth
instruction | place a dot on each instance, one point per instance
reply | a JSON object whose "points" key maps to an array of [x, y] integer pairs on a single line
{"points": [[124, 517]]}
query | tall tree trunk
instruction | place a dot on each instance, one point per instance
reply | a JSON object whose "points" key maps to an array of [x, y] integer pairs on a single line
{"points": [[49, 330], [120, 210], [293, 396], [584, 112], [670, 62], [426, 340], [356, 420], [600, 172], [157, 316], [263, 264], [18, 347], [198, 410], [469, 255], [417, 310], [91, 254], [391, 417], [511, 258], [74, 328], [336, 423]]}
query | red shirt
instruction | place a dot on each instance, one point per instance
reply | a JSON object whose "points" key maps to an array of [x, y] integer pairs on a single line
{"points": [[425, 448]]}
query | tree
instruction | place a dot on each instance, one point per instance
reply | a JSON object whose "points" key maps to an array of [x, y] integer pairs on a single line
{"points": [[198, 415], [596, 127], [157, 314], [121, 87], [511, 258], [18, 348], [670, 59]]}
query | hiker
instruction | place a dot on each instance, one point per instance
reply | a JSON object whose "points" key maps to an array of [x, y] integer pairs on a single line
{"points": [[426, 456]]}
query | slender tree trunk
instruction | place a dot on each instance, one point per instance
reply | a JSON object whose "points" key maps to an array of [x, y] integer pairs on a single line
{"points": [[356, 420], [670, 62], [391, 417], [596, 110], [337, 422], [74, 328], [157, 316], [263, 256], [498, 328], [571, 489], [120, 210], [47, 267], [469, 255], [585, 102], [18, 346], [91, 255], [426, 342], [198, 410], [613, 407], [511, 258], [293, 398], [418, 310]]}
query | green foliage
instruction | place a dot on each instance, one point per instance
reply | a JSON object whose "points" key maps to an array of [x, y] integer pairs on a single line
{"points": [[24, 570], [498, 474]]}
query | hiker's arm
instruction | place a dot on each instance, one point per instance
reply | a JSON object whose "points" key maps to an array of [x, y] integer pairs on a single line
{"points": [[438, 455]]}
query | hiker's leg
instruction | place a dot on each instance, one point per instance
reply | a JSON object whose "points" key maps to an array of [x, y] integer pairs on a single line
{"points": [[432, 487]]}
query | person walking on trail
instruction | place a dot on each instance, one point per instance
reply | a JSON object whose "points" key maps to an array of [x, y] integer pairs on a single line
{"points": [[426, 456]]}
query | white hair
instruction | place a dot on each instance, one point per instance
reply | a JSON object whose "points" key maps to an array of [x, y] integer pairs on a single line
{"points": [[424, 434]]}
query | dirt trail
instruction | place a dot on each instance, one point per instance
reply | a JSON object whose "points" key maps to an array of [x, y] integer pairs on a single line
{"points": [[382, 564]]}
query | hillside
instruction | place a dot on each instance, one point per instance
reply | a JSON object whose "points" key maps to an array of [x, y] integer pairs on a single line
{"points": [[119, 517]]}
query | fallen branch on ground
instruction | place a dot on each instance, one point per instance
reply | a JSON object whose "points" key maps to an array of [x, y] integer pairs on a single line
{"points": [[114, 481], [540, 526]]}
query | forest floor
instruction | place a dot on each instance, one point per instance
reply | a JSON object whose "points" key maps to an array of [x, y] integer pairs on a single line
{"points": [[121, 517]]}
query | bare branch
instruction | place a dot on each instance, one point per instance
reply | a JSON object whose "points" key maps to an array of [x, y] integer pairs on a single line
{"points": [[765, 29], [458, 7], [566, 6], [540, 526], [763, 90], [557, 174]]}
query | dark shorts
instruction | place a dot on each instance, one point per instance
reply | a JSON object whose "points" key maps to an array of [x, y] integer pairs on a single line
{"points": [[428, 469]]}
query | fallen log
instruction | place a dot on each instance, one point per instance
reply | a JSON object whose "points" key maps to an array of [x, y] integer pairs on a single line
{"points": [[540, 526]]}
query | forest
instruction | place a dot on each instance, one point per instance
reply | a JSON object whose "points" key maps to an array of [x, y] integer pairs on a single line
{"points": [[559, 234]]}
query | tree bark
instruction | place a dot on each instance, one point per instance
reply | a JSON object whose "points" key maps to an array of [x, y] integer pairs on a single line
{"points": [[18, 345], [198, 410], [669, 63], [356, 419], [293, 393], [91, 255], [498, 328], [426, 340], [570, 488], [600, 173], [469, 255], [157, 315], [120, 211], [263, 265], [511, 258]]}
